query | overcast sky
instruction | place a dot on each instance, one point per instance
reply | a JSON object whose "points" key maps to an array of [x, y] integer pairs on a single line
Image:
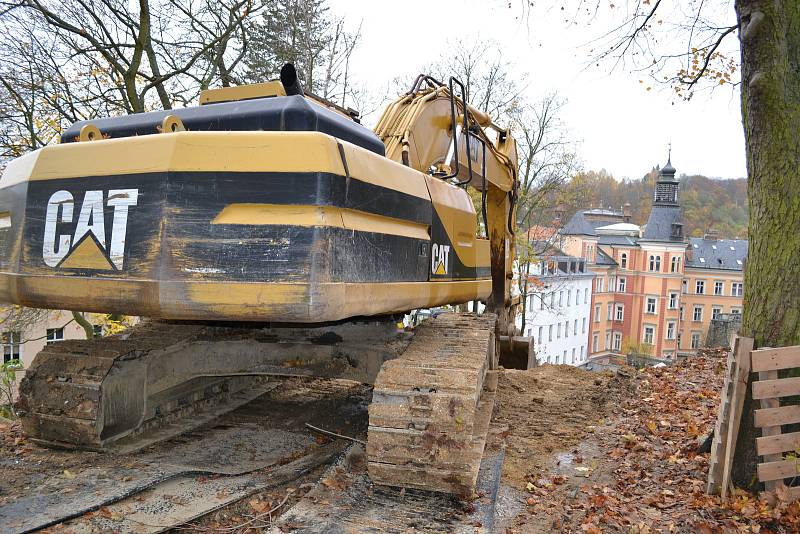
{"points": [[621, 127]]}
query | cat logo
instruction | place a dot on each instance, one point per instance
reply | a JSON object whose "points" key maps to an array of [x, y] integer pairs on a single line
{"points": [[85, 247], [440, 259]]}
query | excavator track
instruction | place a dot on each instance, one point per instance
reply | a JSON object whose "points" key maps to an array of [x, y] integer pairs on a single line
{"points": [[433, 437], [89, 394], [160, 379]]}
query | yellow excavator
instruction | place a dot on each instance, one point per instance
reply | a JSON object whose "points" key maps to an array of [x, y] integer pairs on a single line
{"points": [[267, 232]]}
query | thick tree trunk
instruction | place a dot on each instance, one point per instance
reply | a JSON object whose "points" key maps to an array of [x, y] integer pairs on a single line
{"points": [[769, 34]]}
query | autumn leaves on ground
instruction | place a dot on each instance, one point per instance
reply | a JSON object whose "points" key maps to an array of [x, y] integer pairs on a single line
{"points": [[626, 447]]}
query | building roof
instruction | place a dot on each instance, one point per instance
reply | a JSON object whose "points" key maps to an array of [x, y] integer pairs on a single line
{"points": [[601, 258], [618, 227], [719, 254], [587, 221], [659, 224], [617, 240]]}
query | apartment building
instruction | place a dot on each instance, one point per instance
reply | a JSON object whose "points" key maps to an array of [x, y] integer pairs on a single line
{"points": [[24, 337], [712, 286], [654, 289], [557, 311]]}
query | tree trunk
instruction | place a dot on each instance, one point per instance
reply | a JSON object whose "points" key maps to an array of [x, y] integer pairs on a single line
{"points": [[769, 34], [88, 329]]}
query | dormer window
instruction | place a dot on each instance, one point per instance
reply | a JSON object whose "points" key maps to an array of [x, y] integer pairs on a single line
{"points": [[623, 260]]}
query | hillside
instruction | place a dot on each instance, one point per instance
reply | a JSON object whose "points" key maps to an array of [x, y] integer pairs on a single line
{"points": [[707, 202]]}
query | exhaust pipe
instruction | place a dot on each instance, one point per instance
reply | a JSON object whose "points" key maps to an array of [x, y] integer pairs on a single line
{"points": [[291, 84]]}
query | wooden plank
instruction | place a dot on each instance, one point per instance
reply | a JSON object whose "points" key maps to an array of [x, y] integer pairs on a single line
{"points": [[740, 377], [785, 415], [776, 387], [769, 484], [719, 440], [776, 359], [778, 444], [778, 470]]}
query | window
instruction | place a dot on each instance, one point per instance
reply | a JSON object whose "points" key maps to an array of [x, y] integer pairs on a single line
{"points": [[573, 355], [715, 311], [12, 346], [597, 313], [583, 325], [673, 301], [558, 333], [98, 330], [550, 333], [566, 329], [610, 311], [539, 337], [679, 340], [541, 302], [621, 284], [695, 340], [649, 334], [586, 295], [569, 297], [675, 266], [565, 357], [685, 287], [718, 287], [736, 289], [655, 263], [552, 299], [623, 260], [560, 298], [671, 330], [612, 283], [617, 341], [598, 284], [55, 334], [608, 340], [668, 354], [620, 312], [651, 304], [700, 287], [575, 327], [595, 341], [736, 311], [582, 355], [697, 314], [681, 314], [577, 296]]}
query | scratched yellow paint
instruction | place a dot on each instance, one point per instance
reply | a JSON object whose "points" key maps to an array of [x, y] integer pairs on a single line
{"points": [[322, 216]]}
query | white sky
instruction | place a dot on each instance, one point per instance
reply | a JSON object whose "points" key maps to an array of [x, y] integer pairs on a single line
{"points": [[621, 127]]}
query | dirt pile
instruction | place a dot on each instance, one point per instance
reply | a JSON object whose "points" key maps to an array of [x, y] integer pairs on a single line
{"points": [[549, 409], [642, 470]]}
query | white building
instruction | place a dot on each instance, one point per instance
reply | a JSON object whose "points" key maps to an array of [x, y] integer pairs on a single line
{"points": [[557, 311]]}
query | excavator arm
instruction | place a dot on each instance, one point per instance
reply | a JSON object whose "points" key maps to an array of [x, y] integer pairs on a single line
{"points": [[433, 130]]}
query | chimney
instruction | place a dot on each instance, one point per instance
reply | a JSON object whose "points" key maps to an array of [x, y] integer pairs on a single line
{"points": [[559, 212], [626, 212], [711, 235]]}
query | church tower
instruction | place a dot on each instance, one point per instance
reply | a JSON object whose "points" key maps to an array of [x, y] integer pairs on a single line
{"points": [[665, 221]]}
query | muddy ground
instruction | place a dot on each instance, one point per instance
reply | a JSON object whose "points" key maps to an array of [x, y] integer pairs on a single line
{"points": [[584, 452]]}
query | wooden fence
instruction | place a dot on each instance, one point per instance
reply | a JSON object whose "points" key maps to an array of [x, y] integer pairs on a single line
{"points": [[780, 452]]}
